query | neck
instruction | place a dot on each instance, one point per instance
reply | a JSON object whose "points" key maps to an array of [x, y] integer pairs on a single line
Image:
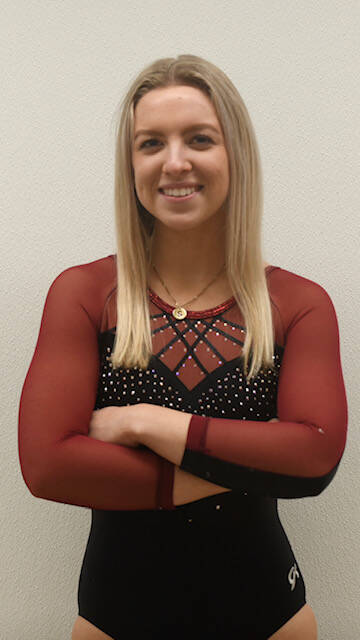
{"points": [[188, 260]]}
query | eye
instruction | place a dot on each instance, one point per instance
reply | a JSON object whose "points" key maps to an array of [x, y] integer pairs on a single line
{"points": [[204, 139], [144, 144]]}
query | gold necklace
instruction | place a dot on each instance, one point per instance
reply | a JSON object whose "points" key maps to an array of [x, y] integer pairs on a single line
{"points": [[179, 312]]}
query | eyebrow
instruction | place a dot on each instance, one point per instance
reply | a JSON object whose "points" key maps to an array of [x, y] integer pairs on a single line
{"points": [[194, 127]]}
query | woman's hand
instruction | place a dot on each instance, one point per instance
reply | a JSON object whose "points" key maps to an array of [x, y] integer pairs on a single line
{"points": [[122, 425], [115, 424]]}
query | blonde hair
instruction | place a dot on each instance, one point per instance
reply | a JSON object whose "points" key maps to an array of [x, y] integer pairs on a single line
{"points": [[134, 224]]}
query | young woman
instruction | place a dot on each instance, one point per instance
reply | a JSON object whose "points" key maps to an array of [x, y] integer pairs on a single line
{"points": [[183, 385]]}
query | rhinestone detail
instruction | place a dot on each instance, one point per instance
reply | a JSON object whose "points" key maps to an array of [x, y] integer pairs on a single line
{"points": [[196, 367]]}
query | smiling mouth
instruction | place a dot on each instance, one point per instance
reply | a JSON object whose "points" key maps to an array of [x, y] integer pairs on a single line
{"points": [[179, 197], [198, 188]]}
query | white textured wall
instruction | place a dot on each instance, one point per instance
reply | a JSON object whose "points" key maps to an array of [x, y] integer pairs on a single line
{"points": [[65, 66]]}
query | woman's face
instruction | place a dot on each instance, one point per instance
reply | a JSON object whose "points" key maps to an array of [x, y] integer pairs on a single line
{"points": [[182, 144]]}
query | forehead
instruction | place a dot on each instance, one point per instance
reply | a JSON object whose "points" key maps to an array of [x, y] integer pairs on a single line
{"points": [[176, 103]]}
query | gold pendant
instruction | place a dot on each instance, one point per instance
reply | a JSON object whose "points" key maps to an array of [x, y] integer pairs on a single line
{"points": [[179, 313]]}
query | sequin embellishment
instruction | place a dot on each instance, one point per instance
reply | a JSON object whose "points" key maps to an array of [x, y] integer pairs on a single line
{"points": [[196, 367]]}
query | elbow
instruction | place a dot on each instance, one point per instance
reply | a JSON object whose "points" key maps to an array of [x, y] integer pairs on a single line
{"points": [[45, 488], [325, 473], [325, 449], [320, 483], [35, 490], [299, 486], [328, 463], [34, 483], [34, 476]]}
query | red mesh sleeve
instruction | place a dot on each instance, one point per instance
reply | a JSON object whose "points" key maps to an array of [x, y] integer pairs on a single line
{"points": [[58, 460], [298, 455]]}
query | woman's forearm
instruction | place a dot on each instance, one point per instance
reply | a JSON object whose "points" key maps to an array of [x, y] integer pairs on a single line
{"points": [[164, 431], [161, 429], [188, 488]]}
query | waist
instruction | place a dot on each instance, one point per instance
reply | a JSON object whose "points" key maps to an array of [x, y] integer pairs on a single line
{"points": [[230, 510]]}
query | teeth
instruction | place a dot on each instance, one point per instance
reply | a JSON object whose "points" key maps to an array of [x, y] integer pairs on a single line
{"points": [[179, 192]]}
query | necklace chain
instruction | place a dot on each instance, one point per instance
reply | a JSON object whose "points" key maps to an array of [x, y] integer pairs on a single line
{"points": [[179, 312]]}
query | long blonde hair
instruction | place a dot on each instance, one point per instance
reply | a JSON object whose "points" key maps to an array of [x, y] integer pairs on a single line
{"points": [[134, 224]]}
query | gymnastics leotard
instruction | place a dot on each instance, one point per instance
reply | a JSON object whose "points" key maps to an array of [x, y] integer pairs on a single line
{"points": [[221, 566]]}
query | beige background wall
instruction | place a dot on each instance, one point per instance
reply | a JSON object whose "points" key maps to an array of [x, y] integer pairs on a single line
{"points": [[65, 66]]}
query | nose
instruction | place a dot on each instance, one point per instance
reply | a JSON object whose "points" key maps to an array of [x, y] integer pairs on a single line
{"points": [[176, 159]]}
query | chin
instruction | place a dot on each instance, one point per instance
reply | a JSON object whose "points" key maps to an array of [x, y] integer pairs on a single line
{"points": [[182, 220]]}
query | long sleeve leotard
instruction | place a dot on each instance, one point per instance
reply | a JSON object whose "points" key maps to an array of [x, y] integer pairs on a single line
{"points": [[196, 367]]}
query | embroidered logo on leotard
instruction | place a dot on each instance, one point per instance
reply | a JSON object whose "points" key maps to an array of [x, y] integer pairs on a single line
{"points": [[292, 575]]}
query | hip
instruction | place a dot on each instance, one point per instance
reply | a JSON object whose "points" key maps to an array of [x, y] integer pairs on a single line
{"points": [[226, 557]]}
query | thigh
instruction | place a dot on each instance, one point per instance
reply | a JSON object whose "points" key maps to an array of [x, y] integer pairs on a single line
{"points": [[302, 626], [84, 630]]}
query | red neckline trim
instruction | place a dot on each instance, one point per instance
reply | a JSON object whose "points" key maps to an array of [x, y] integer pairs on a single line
{"points": [[199, 314]]}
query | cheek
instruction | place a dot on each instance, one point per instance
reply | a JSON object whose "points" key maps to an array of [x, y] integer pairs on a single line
{"points": [[144, 173], [145, 190], [221, 174], [139, 179], [220, 167], [226, 175]]}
